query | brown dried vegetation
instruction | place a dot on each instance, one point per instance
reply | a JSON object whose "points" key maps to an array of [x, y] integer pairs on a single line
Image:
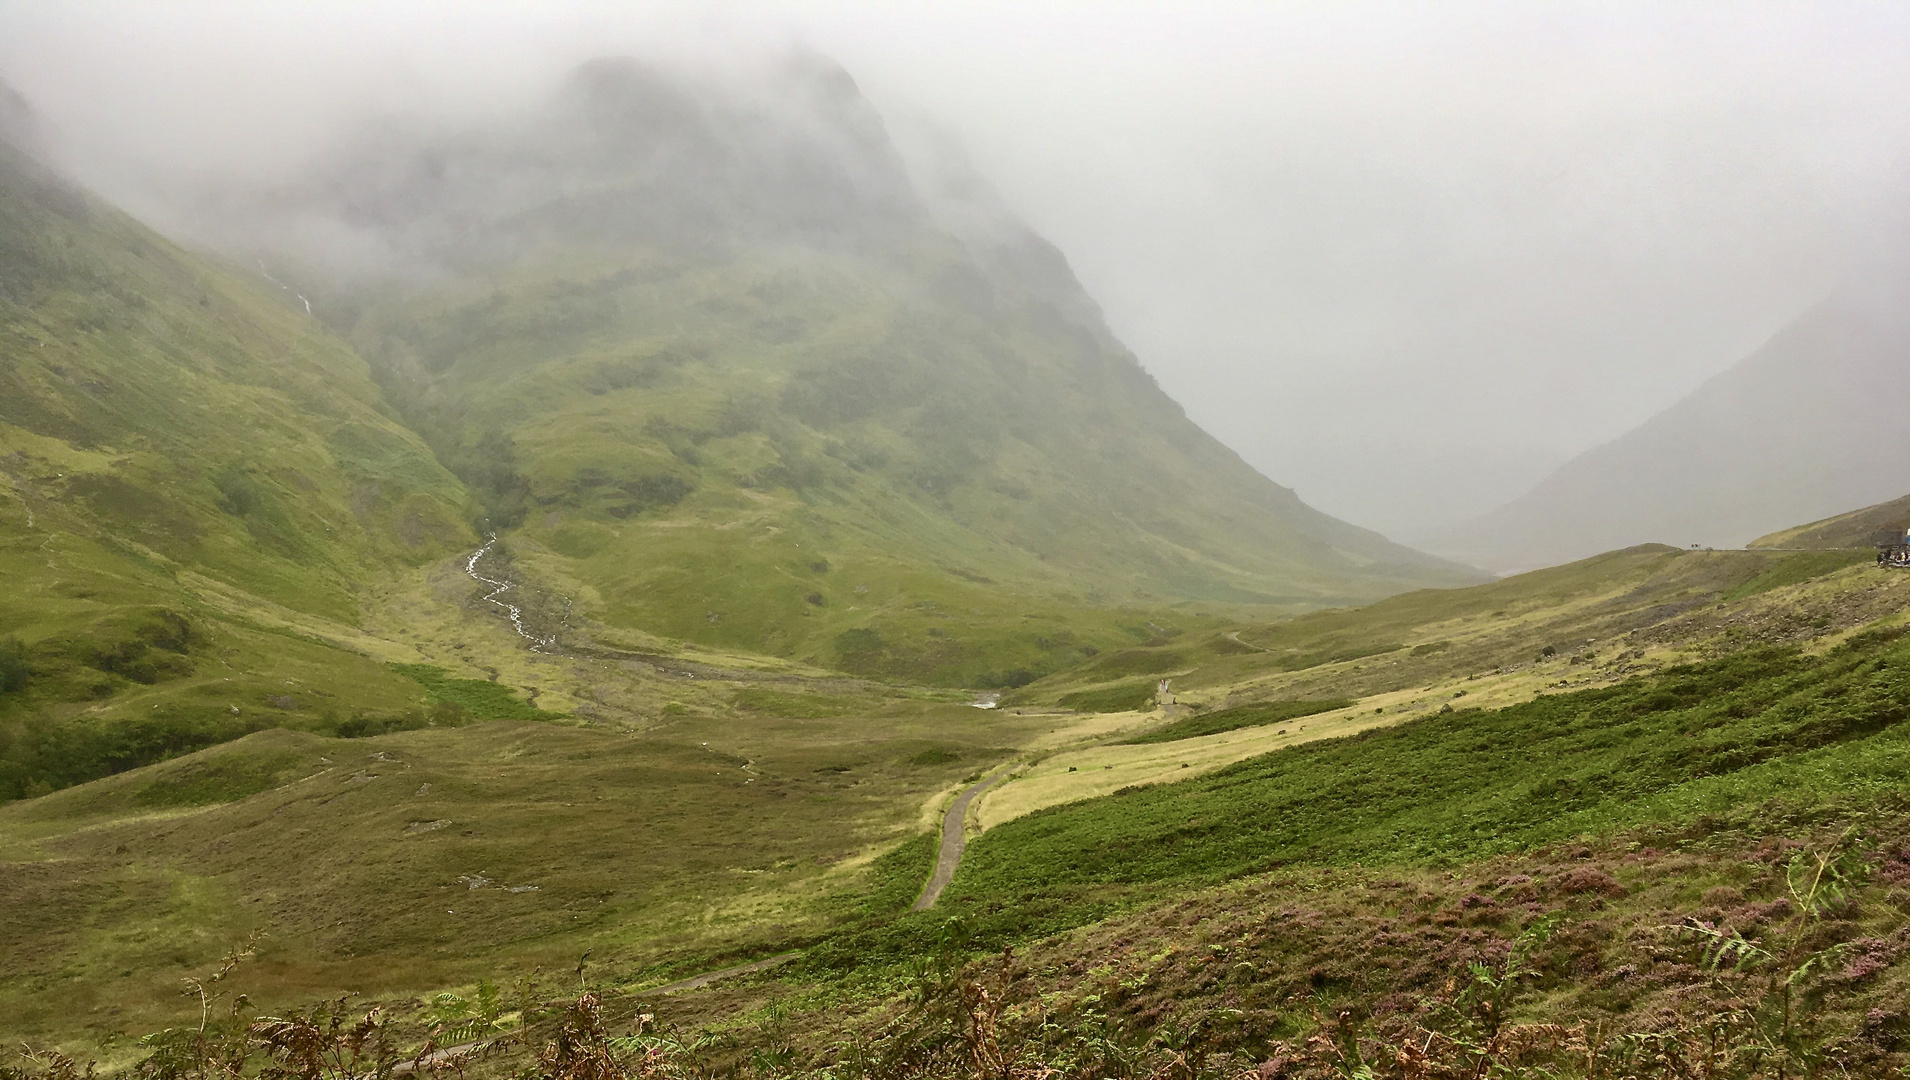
{"points": [[1728, 959]]}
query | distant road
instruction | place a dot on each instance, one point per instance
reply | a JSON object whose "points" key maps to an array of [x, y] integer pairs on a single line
{"points": [[952, 842]]}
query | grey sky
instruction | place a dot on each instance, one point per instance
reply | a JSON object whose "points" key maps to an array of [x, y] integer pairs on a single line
{"points": [[1403, 257]]}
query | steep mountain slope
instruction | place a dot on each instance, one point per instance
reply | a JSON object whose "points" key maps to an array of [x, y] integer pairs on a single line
{"points": [[1856, 529], [181, 451], [732, 379], [1812, 423]]}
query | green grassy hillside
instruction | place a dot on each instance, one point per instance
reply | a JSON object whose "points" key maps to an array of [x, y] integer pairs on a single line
{"points": [[1587, 623], [405, 861], [1857, 529], [756, 815], [182, 452], [779, 454], [821, 425], [1703, 739]]}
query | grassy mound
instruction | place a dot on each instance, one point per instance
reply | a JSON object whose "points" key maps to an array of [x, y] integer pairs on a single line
{"points": [[1213, 723], [476, 698], [1121, 697], [1856, 529]]}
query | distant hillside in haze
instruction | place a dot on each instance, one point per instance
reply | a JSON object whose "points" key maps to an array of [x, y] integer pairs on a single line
{"points": [[713, 355], [1811, 424]]}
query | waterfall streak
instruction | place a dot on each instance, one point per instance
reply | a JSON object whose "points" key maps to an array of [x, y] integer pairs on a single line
{"points": [[499, 588]]}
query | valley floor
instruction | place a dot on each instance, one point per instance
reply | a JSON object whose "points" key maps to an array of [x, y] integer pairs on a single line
{"points": [[681, 812]]}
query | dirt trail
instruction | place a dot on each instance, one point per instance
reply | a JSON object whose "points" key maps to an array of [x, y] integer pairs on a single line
{"points": [[1234, 636], [709, 977], [953, 842]]}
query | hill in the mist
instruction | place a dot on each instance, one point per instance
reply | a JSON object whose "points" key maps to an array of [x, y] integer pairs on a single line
{"points": [[729, 375], [181, 450], [1812, 423]]}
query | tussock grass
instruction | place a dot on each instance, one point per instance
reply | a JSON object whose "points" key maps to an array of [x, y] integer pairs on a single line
{"points": [[1698, 739], [671, 858], [480, 699], [1121, 697], [1213, 723]]}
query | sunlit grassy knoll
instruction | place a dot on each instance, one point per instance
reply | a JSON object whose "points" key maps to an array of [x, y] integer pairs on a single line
{"points": [[225, 678], [1106, 768], [132, 659]]}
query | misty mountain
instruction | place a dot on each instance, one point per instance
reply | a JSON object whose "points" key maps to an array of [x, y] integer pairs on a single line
{"points": [[721, 365], [175, 410], [1809, 425], [18, 128], [187, 462]]}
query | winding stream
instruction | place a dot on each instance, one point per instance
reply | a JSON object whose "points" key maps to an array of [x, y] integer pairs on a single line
{"points": [[499, 588]]}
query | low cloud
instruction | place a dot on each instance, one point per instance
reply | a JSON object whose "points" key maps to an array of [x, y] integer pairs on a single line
{"points": [[1353, 239]]}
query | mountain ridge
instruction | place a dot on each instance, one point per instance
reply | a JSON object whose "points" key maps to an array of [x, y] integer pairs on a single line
{"points": [[1855, 529], [1797, 431], [946, 413], [183, 457]]}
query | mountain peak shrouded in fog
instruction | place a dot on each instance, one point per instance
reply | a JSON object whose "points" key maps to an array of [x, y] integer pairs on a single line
{"points": [[623, 151], [18, 127], [655, 307], [1809, 425], [1407, 259]]}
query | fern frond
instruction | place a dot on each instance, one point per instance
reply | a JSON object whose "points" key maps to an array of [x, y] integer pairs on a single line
{"points": [[1719, 949]]}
